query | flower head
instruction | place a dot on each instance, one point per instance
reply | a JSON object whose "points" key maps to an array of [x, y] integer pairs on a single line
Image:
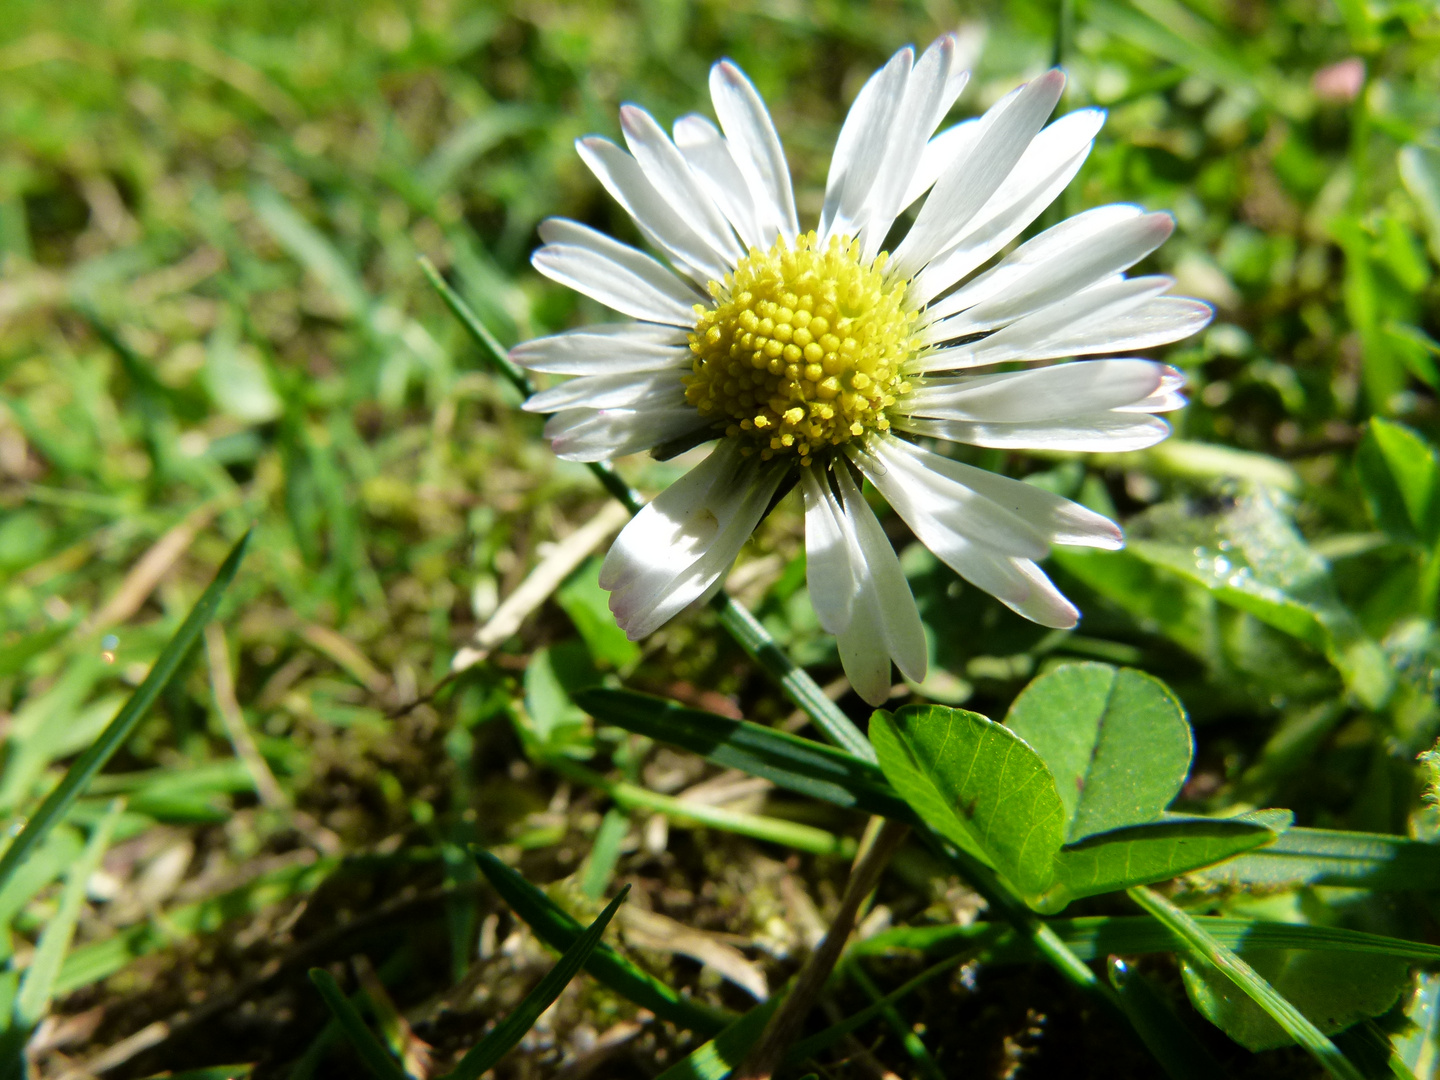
{"points": [[820, 358]]}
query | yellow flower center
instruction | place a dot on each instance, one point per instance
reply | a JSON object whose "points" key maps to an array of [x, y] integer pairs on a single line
{"points": [[802, 349]]}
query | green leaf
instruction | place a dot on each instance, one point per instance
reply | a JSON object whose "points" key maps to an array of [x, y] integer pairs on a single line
{"points": [[1115, 740], [371, 1051], [789, 761], [237, 379], [489, 1050], [1156, 851], [1419, 1046], [1206, 951], [559, 931], [1175, 1046], [979, 785], [114, 736], [1253, 559], [1400, 474], [1420, 171], [1329, 857], [1332, 990], [588, 606], [552, 724]]}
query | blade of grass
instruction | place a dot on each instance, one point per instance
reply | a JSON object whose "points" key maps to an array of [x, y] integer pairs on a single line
{"points": [[371, 1051], [792, 834], [741, 625], [118, 731], [1095, 936], [913, 1044], [605, 852], [1204, 947], [558, 930], [719, 1057], [37, 987], [798, 764], [489, 1050], [807, 1048], [304, 1067]]}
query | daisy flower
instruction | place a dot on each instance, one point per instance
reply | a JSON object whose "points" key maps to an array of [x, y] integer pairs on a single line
{"points": [[821, 358]]}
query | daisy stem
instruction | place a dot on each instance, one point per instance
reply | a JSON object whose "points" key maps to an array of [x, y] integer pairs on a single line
{"points": [[804, 691]]}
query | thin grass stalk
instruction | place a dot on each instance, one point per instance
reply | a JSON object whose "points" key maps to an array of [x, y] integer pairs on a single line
{"points": [[793, 834], [1205, 948], [366, 1044], [84, 768]]}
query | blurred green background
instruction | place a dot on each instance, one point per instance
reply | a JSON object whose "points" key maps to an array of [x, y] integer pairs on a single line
{"points": [[211, 314]]}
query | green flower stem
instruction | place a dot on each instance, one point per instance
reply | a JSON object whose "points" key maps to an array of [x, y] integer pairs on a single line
{"points": [[792, 834], [1205, 948], [1003, 900], [799, 687]]}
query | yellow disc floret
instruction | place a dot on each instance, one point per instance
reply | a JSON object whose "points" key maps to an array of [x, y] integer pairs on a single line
{"points": [[802, 349]]}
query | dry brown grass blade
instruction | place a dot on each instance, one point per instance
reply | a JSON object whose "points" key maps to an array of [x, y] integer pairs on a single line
{"points": [[651, 930], [539, 584], [347, 655], [765, 1058], [272, 795], [151, 569]]}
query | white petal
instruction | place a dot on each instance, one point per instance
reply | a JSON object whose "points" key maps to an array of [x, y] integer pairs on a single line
{"points": [[1014, 581], [613, 273], [940, 155], [1107, 432], [1111, 317], [603, 434], [862, 651], [856, 585], [906, 483], [606, 391], [1049, 163], [1046, 604], [667, 170], [1074, 255], [653, 216], [958, 196], [1049, 393], [605, 349], [828, 574], [714, 166], [901, 634], [678, 545], [1167, 398], [1058, 519], [929, 93], [757, 150], [860, 147]]}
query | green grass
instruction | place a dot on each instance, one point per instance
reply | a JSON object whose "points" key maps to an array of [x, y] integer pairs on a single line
{"points": [[213, 317]]}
